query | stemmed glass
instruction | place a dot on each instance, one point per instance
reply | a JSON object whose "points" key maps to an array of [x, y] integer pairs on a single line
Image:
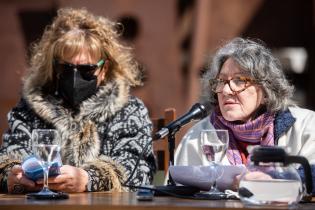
{"points": [[214, 144], [46, 148]]}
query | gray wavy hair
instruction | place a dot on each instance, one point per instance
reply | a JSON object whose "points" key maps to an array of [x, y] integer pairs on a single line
{"points": [[258, 61]]}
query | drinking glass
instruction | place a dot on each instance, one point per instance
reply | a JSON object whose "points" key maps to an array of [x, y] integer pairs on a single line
{"points": [[46, 148], [214, 144]]}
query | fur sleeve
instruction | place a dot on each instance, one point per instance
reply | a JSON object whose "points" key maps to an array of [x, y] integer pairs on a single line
{"points": [[5, 166], [105, 174]]}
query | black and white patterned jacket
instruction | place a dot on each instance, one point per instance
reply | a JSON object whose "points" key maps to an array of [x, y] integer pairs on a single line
{"points": [[106, 137]]}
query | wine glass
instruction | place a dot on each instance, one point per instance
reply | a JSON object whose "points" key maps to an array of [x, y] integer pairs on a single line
{"points": [[214, 144], [46, 148]]}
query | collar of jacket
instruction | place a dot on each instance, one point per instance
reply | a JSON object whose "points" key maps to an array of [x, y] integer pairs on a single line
{"points": [[109, 99], [283, 122]]}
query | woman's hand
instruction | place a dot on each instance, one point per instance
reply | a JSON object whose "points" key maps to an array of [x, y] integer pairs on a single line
{"points": [[18, 183], [256, 175], [71, 179]]}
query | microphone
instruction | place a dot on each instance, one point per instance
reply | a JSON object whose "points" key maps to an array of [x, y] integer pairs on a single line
{"points": [[196, 112]]}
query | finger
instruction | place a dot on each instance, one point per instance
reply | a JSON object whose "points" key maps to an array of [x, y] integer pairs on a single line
{"points": [[58, 187], [65, 169], [16, 169], [236, 182], [26, 182], [238, 177], [257, 176], [13, 179], [20, 185], [57, 179], [60, 178], [34, 188]]}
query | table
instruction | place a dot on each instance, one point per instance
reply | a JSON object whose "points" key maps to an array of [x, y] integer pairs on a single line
{"points": [[118, 201]]}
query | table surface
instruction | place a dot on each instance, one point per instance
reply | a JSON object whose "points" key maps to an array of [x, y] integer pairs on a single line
{"points": [[116, 201]]}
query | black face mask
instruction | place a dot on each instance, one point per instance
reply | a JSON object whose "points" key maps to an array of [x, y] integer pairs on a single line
{"points": [[74, 89]]}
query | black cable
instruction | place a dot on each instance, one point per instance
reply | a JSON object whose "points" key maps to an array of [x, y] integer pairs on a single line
{"points": [[161, 191], [225, 197], [138, 161]]}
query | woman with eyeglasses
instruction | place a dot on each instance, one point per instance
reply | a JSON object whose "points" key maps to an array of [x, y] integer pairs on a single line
{"points": [[78, 83], [252, 99]]}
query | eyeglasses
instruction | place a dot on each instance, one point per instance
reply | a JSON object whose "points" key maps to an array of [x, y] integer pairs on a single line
{"points": [[86, 71], [237, 84]]}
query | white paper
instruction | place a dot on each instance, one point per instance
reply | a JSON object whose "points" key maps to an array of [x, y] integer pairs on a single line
{"points": [[203, 176]]}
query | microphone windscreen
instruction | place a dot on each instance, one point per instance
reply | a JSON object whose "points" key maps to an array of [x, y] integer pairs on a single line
{"points": [[206, 108]]}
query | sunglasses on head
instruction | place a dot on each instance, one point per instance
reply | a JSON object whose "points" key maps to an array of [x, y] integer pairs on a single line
{"points": [[86, 71]]}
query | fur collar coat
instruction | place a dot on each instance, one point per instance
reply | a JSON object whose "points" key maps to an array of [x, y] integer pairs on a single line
{"points": [[109, 136]]}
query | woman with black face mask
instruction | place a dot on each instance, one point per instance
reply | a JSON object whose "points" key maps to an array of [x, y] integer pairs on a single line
{"points": [[78, 83]]}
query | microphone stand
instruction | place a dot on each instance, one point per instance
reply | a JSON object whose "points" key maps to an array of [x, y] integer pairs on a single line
{"points": [[171, 186], [171, 148]]}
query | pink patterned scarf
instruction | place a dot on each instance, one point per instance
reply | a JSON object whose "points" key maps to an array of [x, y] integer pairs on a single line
{"points": [[259, 131]]}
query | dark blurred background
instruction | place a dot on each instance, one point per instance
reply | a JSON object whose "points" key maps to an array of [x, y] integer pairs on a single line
{"points": [[172, 39]]}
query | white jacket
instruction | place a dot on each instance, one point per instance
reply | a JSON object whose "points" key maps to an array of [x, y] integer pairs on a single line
{"points": [[297, 139]]}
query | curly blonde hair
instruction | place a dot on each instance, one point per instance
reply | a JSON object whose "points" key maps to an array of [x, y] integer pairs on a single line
{"points": [[73, 30]]}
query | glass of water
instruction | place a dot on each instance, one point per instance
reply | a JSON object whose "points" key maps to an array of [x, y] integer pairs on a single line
{"points": [[46, 148], [214, 144]]}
